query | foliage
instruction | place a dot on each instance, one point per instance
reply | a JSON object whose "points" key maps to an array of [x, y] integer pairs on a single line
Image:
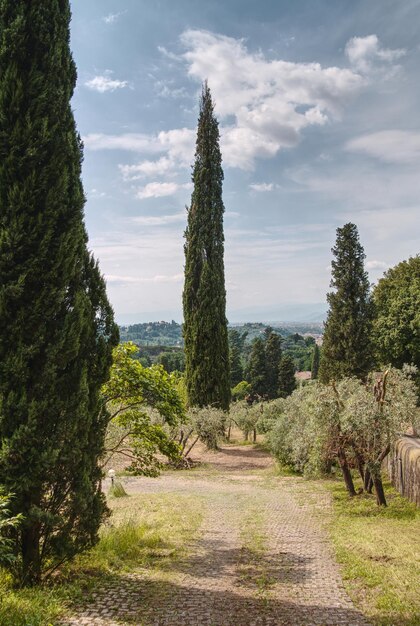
{"points": [[145, 406], [397, 315], [315, 362], [153, 334], [209, 424], [241, 390], [204, 296], [286, 377], [56, 325], [257, 370], [273, 357], [7, 523], [347, 346], [246, 417], [347, 422], [236, 346], [173, 361]]}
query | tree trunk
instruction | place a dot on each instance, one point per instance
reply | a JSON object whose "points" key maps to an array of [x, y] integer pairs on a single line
{"points": [[346, 472], [31, 561], [254, 439], [367, 482], [379, 488], [360, 464]]}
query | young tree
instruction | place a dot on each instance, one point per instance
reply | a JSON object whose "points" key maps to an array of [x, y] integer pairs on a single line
{"points": [[256, 370], [287, 380], [204, 297], [315, 362], [273, 357], [347, 347], [56, 325]]}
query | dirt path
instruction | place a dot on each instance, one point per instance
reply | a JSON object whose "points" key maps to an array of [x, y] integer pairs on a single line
{"points": [[262, 557]]}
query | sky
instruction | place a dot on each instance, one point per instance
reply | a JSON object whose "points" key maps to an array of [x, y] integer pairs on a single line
{"points": [[318, 105]]}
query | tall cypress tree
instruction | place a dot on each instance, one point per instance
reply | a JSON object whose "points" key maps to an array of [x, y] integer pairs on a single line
{"points": [[204, 297], [315, 362], [56, 325], [347, 347], [273, 356], [257, 368], [287, 379]]}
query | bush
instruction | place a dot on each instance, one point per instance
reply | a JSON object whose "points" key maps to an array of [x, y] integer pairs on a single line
{"points": [[7, 522], [241, 391]]}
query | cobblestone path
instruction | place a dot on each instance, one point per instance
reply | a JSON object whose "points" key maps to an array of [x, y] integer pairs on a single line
{"points": [[261, 558]]}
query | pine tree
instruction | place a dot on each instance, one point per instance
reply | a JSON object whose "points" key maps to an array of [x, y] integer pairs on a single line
{"points": [[287, 380], [256, 370], [273, 357], [56, 325], [347, 346], [315, 362], [204, 297]]}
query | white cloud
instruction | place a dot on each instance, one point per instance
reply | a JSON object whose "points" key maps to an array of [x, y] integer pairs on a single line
{"points": [[365, 52], [163, 220], [262, 186], [272, 101], [113, 17], [391, 146], [377, 265], [105, 83], [132, 142], [130, 280], [162, 166], [160, 190]]}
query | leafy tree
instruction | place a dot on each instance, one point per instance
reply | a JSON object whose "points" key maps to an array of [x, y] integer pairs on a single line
{"points": [[286, 380], [204, 297], [256, 371], [315, 362], [347, 347], [397, 315], [56, 325], [145, 408], [273, 357], [236, 345], [241, 390]]}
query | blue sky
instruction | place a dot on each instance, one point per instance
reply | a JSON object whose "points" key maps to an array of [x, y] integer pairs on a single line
{"points": [[318, 104]]}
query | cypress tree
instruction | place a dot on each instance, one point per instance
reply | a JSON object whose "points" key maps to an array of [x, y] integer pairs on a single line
{"points": [[56, 325], [347, 347], [315, 362], [204, 297], [273, 358], [236, 341], [287, 380], [257, 370]]}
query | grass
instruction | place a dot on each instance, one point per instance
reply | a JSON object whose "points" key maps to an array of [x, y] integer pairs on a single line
{"points": [[253, 567], [144, 531], [378, 549]]}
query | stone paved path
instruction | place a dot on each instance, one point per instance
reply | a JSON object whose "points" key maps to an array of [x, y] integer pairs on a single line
{"points": [[291, 579]]}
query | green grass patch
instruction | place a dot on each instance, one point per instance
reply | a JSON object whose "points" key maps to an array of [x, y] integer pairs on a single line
{"points": [[378, 549], [143, 531]]}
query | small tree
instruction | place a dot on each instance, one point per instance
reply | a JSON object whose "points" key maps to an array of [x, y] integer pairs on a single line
{"points": [[347, 346], [145, 410], [287, 379]]}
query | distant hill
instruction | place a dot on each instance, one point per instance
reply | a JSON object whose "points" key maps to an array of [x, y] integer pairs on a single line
{"points": [[170, 333]]}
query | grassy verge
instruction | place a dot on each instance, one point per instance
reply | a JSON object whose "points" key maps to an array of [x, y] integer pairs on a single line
{"points": [[144, 531], [378, 549]]}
